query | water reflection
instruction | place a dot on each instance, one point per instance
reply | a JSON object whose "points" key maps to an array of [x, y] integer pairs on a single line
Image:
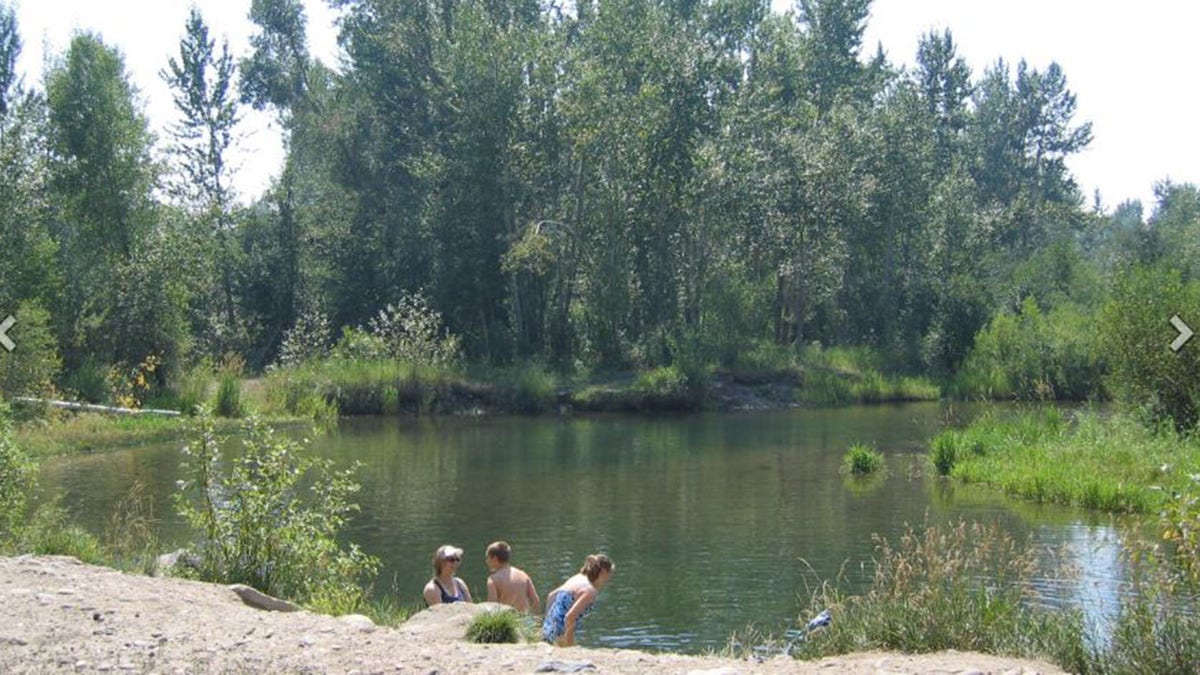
{"points": [[715, 521]]}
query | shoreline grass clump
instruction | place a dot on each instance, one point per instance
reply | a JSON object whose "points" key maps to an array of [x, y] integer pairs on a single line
{"points": [[1108, 463], [496, 627], [863, 460], [961, 586]]}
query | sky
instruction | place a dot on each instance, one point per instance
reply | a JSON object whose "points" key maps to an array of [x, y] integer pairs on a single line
{"points": [[1131, 66]]}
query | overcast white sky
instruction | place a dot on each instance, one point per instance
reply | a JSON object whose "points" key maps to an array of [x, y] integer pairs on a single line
{"points": [[1132, 66]]}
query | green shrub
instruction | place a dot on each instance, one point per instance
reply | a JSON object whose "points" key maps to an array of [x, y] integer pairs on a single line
{"points": [[307, 340], [1147, 376], [665, 388], [1158, 628], [501, 626], [88, 382], [1035, 356], [30, 369], [16, 480], [862, 460], [1180, 520], [272, 517]]}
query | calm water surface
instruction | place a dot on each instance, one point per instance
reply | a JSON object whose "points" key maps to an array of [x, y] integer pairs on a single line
{"points": [[715, 521]]}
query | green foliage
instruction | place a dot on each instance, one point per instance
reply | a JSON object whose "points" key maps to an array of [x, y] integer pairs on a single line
{"points": [[636, 185], [1035, 356], [663, 388], [963, 587], [1158, 626], [88, 382], [411, 330], [1105, 463], [191, 387], [308, 339], [497, 627], [862, 460], [91, 432], [16, 480], [118, 304], [229, 397], [1180, 521], [839, 376], [353, 387], [945, 452], [50, 533], [528, 388], [31, 368], [1135, 333], [271, 518]]}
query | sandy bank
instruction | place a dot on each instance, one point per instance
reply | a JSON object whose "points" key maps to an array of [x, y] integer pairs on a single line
{"points": [[59, 615]]}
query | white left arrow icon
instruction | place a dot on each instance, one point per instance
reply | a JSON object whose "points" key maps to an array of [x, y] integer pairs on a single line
{"points": [[6, 341], [1185, 333]]}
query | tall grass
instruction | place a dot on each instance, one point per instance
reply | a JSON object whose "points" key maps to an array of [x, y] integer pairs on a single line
{"points": [[862, 460], [49, 532], [1107, 463], [229, 397], [963, 587], [379, 387]]}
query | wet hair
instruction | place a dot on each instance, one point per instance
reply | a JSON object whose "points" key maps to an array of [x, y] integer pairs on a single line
{"points": [[500, 550], [594, 565]]}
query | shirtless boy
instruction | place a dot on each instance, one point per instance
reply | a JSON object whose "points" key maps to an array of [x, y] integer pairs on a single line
{"points": [[507, 584]]}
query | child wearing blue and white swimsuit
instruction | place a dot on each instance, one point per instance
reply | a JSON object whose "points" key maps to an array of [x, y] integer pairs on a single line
{"points": [[568, 604]]}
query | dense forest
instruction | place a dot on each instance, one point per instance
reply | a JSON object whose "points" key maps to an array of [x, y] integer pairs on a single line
{"points": [[602, 187]]}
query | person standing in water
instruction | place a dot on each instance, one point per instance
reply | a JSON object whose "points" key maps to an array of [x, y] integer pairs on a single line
{"points": [[507, 584], [444, 587], [568, 604]]}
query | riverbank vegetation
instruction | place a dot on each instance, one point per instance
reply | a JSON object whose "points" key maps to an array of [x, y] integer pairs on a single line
{"points": [[968, 587], [1105, 462], [767, 186]]}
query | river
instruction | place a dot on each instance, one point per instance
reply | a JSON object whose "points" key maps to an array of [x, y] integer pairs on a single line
{"points": [[715, 521]]}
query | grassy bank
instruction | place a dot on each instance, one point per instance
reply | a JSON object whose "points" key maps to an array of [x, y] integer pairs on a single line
{"points": [[783, 376], [831, 376], [64, 434], [1109, 463], [969, 587]]}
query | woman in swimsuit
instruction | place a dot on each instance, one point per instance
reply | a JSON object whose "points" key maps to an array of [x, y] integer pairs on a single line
{"points": [[568, 604], [444, 587]]}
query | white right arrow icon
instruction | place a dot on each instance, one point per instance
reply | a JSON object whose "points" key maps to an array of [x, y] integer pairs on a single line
{"points": [[6, 341], [1185, 333]]}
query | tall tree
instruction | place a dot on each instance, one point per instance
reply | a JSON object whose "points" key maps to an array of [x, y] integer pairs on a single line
{"points": [[101, 175], [276, 72], [945, 83], [10, 48], [202, 83], [833, 31]]}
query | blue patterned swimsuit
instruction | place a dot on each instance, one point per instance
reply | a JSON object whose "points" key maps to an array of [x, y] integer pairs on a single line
{"points": [[555, 623]]}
